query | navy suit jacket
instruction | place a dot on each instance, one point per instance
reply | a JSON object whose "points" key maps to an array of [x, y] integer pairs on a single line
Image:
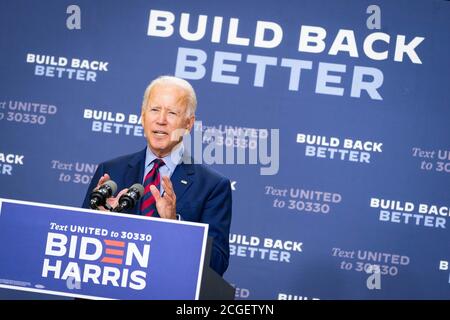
{"points": [[206, 197]]}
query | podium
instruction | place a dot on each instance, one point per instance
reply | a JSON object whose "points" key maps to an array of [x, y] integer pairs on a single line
{"points": [[82, 253]]}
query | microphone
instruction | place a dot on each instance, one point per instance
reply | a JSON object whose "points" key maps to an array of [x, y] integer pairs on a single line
{"points": [[129, 199], [98, 197]]}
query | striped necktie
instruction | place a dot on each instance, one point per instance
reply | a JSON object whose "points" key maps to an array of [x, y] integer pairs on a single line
{"points": [[148, 204]]}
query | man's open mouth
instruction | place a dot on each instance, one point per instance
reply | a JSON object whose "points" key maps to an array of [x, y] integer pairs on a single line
{"points": [[160, 133]]}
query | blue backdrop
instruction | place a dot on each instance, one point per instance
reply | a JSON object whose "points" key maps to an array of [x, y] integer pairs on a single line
{"points": [[352, 98]]}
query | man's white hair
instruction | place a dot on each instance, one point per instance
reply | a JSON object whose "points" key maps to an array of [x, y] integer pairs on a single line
{"points": [[191, 98]]}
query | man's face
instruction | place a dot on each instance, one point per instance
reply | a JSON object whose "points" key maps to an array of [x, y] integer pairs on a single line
{"points": [[165, 118]]}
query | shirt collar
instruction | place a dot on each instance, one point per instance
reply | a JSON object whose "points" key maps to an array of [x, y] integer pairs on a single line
{"points": [[171, 160]]}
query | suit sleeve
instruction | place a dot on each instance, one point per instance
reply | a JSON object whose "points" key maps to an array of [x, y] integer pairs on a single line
{"points": [[98, 173], [217, 213]]}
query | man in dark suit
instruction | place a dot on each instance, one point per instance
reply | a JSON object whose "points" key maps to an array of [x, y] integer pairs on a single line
{"points": [[175, 187]]}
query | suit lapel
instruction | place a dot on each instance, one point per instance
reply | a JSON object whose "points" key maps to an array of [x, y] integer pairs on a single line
{"points": [[182, 178]]}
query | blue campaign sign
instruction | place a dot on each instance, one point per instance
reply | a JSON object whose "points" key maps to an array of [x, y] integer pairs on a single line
{"points": [[339, 109], [92, 254]]}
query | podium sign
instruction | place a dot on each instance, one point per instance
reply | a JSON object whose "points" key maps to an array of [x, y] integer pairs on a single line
{"points": [[91, 254]]}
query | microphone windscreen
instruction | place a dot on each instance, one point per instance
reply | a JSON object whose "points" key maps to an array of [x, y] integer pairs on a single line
{"points": [[139, 188], [112, 185]]}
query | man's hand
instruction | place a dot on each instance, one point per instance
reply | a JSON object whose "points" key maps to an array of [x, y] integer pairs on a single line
{"points": [[167, 204], [112, 201]]}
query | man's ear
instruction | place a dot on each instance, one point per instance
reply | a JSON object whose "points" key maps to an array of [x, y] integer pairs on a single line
{"points": [[190, 123]]}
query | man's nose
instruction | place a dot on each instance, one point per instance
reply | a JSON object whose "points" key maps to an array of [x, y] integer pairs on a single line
{"points": [[162, 117]]}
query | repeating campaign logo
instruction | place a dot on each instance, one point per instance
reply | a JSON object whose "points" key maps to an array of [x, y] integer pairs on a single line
{"points": [[73, 172], [228, 144], [66, 68], [337, 149], [406, 212], [231, 136], [194, 61], [253, 247], [8, 161], [32, 113], [241, 293], [289, 296], [96, 255], [302, 200], [108, 122], [432, 160], [375, 264]]}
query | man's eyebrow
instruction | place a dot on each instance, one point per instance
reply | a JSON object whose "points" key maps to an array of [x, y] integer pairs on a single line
{"points": [[171, 108]]}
